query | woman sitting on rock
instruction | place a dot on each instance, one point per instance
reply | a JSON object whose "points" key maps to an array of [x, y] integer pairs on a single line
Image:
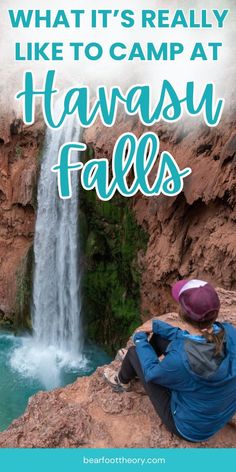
{"points": [[193, 388]]}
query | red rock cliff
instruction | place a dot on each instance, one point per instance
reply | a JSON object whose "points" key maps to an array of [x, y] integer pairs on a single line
{"points": [[191, 235], [194, 233], [19, 154]]}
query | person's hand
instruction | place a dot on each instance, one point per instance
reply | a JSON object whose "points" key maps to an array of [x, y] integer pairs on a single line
{"points": [[139, 335], [146, 327]]}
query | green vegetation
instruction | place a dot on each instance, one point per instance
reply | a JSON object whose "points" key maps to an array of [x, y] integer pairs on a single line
{"points": [[111, 240], [22, 319]]}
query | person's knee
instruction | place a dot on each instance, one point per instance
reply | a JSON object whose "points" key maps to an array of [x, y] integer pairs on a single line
{"points": [[132, 349], [131, 353]]}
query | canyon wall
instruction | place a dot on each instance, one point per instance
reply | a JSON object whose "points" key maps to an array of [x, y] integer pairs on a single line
{"points": [[193, 234], [189, 235], [20, 148]]}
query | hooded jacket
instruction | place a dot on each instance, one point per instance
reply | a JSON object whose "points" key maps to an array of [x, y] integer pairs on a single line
{"points": [[203, 387]]}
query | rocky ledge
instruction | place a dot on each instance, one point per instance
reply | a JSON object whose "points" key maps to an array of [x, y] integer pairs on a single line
{"points": [[88, 414]]}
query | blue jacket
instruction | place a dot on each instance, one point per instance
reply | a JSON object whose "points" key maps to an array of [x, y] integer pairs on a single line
{"points": [[203, 397]]}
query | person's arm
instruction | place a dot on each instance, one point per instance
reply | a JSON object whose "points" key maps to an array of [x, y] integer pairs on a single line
{"points": [[169, 372], [165, 330]]}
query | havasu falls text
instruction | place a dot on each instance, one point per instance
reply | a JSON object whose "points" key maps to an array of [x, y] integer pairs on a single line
{"points": [[130, 154]]}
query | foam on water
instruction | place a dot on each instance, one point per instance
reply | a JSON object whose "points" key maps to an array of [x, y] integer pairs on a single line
{"points": [[45, 363], [26, 368]]}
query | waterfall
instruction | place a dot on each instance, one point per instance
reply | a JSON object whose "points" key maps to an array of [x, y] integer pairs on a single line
{"points": [[57, 342], [56, 293]]}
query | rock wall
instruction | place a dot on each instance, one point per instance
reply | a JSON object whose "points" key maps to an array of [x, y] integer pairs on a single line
{"points": [[19, 158], [88, 414], [191, 235], [194, 233]]}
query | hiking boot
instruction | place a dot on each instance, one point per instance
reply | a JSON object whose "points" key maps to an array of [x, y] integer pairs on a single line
{"points": [[112, 378]]}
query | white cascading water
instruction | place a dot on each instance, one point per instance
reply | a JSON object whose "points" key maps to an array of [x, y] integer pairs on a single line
{"points": [[56, 294], [57, 340]]}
